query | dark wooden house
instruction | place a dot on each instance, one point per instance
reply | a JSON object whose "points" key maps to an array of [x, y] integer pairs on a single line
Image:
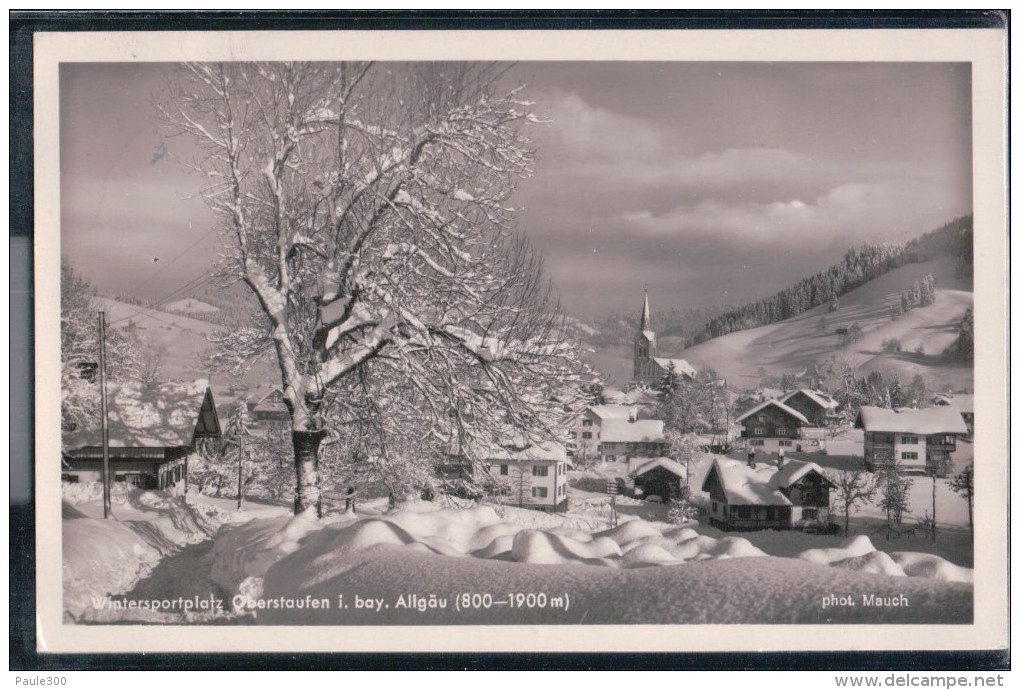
{"points": [[660, 477], [816, 406], [153, 430], [772, 425], [795, 496]]}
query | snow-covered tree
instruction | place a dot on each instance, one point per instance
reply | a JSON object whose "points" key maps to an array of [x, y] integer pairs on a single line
{"points": [[79, 352], [366, 208], [895, 491], [963, 484], [854, 488]]}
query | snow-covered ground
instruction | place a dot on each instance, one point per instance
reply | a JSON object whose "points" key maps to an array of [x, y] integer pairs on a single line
{"points": [[487, 564]]}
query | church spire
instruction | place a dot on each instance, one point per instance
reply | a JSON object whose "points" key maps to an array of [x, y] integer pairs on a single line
{"points": [[646, 316]]}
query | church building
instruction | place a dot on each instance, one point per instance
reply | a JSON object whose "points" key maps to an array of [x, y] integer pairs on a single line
{"points": [[649, 369]]}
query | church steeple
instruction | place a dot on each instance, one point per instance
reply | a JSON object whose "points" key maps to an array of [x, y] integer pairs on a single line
{"points": [[646, 316]]}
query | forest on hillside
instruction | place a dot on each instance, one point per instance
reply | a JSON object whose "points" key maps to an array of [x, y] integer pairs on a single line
{"points": [[858, 266]]}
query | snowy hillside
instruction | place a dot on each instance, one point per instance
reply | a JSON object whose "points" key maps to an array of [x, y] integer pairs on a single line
{"points": [[190, 305], [791, 345]]}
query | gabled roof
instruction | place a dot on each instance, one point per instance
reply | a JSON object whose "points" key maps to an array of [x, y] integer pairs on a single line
{"points": [[761, 485], [744, 485], [682, 366], [273, 402], [613, 411], [792, 472], [536, 452], [822, 399], [648, 334], [931, 420], [640, 466], [639, 431], [141, 416], [761, 406]]}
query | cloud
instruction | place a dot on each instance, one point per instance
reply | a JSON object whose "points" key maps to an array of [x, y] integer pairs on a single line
{"points": [[893, 209], [590, 133]]}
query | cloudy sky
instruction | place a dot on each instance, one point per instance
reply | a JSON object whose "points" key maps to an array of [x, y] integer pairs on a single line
{"points": [[702, 182]]}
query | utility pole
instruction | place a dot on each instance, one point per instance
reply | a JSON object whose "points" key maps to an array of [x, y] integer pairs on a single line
{"points": [[240, 448], [107, 507]]}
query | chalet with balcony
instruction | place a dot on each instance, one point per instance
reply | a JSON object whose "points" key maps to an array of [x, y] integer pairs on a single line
{"points": [[795, 496], [771, 425], [153, 432], [916, 440]]}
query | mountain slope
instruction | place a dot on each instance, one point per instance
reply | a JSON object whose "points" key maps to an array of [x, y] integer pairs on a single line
{"points": [[791, 345]]}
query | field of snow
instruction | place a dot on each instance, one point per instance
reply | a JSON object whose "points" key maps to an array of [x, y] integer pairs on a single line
{"points": [[411, 559], [190, 305]]}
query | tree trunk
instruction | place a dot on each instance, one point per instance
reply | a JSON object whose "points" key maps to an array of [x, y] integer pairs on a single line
{"points": [[306, 462]]}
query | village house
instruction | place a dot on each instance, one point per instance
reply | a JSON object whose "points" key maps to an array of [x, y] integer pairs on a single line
{"points": [[536, 476], [153, 431], [771, 425], [648, 368], [916, 440], [660, 477], [626, 438], [818, 407], [588, 434], [963, 403], [795, 496], [270, 413]]}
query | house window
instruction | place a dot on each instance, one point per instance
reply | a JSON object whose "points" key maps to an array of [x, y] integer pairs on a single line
{"points": [[909, 440], [810, 514], [539, 492], [786, 444], [715, 507], [504, 469], [782, 431], [586, 422], [586, 434], [119, 478], [906, 455], [761, 418], [540, 470], [759, 431]]}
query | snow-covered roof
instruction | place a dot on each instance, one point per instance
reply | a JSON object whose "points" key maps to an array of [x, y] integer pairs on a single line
{"points": [[613, 411], [792, 472], [931, 420], [964, 402], [682, 365], [761, 406], [822, 399], [143, 416], [547, 451], [273, 402], [638, 466], [648, 334], [744, 485], [638, 431]]}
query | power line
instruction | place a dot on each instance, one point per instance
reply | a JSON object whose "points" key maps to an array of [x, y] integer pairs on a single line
{"points": [[172, 261]]}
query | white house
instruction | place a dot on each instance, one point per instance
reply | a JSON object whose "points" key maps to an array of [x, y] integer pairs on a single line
{"points": [[622, 439], [588, 434], [963, 402], [534, 476], [917, 440]]}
